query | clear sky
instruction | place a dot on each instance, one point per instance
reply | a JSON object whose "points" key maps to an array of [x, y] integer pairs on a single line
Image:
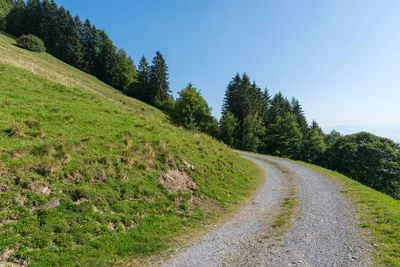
{"points": [[341, 58]]}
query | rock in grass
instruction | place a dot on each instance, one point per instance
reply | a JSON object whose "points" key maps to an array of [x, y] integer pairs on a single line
{"points": [[54, 202], [188, 165]]}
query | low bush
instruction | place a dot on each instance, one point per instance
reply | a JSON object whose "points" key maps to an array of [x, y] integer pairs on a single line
{"points": [[31, 42]]}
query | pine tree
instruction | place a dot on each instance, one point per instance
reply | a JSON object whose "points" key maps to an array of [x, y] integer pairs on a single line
{"points": [[266, 100], [71, 41], [278, 108], [108, 60], [5, 7], [297, 110], [230, 99], [48, 25], [244, 98], [315, 126], [126, 71], [89, 48], [15, 20], [159, 86], [33, 18], [141, 88]]}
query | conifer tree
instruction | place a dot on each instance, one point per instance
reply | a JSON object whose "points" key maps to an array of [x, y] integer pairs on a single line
{"points": [[107, 65], [89, 48], [266, 100], [126, 71], [72, 42], [33, 18], [48, 25], [315, 126], [141, 88], [278, 108], [297, 110], [15, 20], [159, 86], [5, 8]]}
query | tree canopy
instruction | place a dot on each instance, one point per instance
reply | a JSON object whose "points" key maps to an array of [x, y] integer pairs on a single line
{"points": [[191, 110]]}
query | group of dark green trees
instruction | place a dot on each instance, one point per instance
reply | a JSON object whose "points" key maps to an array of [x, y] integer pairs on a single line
{"points": [[5, 7], [89, 49], [251, 119]]}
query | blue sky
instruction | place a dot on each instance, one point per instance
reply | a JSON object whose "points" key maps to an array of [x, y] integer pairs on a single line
{"points": [[341, 59]]}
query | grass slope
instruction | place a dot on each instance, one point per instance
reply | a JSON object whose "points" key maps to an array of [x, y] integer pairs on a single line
{"points": [[85, 171]]}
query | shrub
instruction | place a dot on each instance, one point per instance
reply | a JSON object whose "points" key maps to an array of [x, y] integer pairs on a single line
{"points": [[31, 42]]}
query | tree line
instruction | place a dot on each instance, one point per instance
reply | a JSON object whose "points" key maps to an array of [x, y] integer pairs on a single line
{"points": [[251, 120], [5, 7], [89, 49]]}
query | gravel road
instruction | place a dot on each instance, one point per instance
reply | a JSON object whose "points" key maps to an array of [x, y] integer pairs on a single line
{"points": [[323, 231]]}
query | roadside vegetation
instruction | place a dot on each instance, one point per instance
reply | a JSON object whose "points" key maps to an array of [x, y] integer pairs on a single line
{"points": [[379, 215]]}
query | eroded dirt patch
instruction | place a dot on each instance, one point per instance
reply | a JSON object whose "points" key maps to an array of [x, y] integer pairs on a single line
{"points": [[175, 180]]}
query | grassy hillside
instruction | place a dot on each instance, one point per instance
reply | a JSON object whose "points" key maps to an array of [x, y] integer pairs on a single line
{"points": [[91, 177]]}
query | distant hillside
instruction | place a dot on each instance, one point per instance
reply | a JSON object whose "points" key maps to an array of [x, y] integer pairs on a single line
{"points": [[89, 176]]}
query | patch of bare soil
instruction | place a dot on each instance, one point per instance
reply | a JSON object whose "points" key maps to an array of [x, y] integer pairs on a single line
{"points": [[175, 180]]}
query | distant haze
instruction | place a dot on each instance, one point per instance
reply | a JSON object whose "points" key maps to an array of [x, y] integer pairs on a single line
{"points": [[391, 131]]}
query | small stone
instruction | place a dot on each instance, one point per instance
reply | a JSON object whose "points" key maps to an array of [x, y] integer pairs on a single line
{"points": [[188, 165], [54, 202], [46, 191]]}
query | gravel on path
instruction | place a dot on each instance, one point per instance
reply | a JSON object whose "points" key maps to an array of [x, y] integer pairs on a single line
{"points": [[324, 232]]}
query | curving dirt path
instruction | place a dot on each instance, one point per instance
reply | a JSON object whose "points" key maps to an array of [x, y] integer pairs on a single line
{"points": [[323, 231]]}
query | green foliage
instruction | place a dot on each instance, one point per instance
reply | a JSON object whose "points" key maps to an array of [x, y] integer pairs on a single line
{"points": [[31, 42], [286, 138], [15, 20], [297, 110], [191, 110], [103, 160], [5, 8], [227, 126], [332, 137], [371, 160], [313, 146], [245, 101], [141, 88], [78, 44], [158, 81], [252, 129]]}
